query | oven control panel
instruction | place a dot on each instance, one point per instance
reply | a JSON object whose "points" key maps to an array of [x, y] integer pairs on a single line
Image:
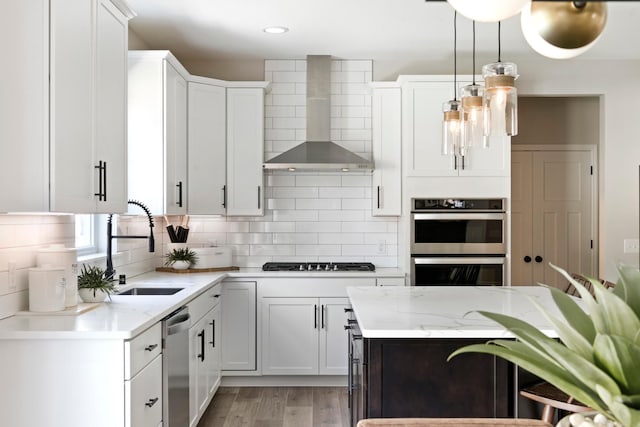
{"points": [[475, 205]]}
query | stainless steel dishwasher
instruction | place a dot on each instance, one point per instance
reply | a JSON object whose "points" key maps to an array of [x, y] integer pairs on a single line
{"points": [[175, 368]]}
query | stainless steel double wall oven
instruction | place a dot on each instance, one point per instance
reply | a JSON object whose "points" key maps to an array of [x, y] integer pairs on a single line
{"points": [[458, 242]]}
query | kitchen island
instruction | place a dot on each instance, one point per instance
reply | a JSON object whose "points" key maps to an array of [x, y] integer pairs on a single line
{"points": [[400, 340]]}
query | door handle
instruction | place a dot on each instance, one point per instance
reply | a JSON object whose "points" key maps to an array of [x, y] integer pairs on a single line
{"points": [[201, 355], [322, 316], [527, 259], [538, 258], [151, 402], [315, 316], [179, 185], [378, 197], [224, 196], [213, 333], [259, 196]]}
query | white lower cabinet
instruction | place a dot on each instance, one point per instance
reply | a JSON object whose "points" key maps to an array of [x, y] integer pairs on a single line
{"points": [[204, 352], [302, 325], [143, 396], [238, 326]]}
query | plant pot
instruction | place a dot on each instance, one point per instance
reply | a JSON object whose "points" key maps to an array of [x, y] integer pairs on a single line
{"points": [[181, 265], [88, 294], [566, 421]]}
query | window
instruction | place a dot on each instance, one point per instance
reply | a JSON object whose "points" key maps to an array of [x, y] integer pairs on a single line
{"points": [[90, 233]]}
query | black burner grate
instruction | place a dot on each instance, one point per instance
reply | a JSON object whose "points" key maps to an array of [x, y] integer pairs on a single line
{"points": [[318, 266]]}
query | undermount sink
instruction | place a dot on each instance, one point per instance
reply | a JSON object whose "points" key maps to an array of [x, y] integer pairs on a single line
{"points": [[151, 291]]}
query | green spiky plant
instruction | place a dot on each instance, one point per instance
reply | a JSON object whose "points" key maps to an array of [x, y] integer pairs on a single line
{"points": [[93, 277], [181, 254], [597, 360]]}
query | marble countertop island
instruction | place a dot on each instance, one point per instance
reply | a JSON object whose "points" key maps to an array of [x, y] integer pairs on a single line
{"points": [[446, 311]]}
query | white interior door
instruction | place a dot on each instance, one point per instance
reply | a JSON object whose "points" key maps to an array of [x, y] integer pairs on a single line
{"points": [[552, 193]]}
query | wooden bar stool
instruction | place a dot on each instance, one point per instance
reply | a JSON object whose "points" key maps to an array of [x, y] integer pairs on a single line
{"points": [[450, 422], [552, 398]]}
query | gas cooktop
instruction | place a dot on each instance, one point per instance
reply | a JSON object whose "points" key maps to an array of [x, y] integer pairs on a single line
{"points": [[318, 266]]}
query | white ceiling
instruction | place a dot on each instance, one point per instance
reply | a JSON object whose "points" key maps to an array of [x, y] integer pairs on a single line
{"points": [[386, 30]]}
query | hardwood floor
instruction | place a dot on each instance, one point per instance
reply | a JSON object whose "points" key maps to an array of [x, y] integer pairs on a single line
{"points": [[278, 407]]}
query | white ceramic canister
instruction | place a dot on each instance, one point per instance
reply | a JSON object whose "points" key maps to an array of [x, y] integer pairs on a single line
{"points": [[46, 289], [59, 256]]}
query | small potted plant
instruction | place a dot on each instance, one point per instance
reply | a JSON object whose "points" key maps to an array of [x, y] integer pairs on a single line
{"points": [[181, 258], [93, 285]]}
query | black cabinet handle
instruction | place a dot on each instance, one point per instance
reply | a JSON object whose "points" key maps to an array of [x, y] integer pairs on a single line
{"points": [[527, 259], [322, 316], [378, 197], [150, 347], [152, 402], [348, 310], [213, 333], [538, 258], [102, 181], [455, 162], [259, 196], [201, 355], [315, 316], [224, 196], [179, 185]]}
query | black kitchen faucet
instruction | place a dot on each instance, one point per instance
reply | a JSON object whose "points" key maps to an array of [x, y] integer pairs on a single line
{"points": [[110, 272]]}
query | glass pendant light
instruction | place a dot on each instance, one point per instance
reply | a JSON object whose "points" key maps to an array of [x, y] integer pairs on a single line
{"points": [[472, 109], [500, 99], [451, 124]]}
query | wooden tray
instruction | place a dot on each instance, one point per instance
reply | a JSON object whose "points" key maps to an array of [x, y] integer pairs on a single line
{"points": [[196, 270]]}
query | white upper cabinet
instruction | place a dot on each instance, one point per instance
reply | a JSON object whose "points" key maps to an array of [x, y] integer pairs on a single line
{"points": [[387, 141], [245, 151], [63, 106], [157, 125], [207, 147], [422, 133]]}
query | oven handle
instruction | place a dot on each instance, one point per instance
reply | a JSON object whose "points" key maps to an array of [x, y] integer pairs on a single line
{"points": [[459, 216], [458, 260]]}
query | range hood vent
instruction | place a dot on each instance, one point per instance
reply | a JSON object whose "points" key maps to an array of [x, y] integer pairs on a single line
{"points": [[318, 153]]}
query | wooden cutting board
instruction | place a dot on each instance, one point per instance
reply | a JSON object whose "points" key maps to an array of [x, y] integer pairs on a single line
{"points": [[196, 270]]}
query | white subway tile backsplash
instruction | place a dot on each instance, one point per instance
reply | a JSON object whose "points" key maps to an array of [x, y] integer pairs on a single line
{"points": [[357, 65], [360, 204], [318, 180], [351, 99], [290, 122], [356, 180], [356, 111], [293, 215], [340, 238], [280, 134], [281, 180], [347, 123], [318, 204], [295, 238], [318, 227], [364, 227], [283, 88], [289, 76], [341, 192], [320, 250], [295, 192], [273, 250], [279, 204], [356, 134], [272, 227], [348, 77], [340, 215], [297, 99], [279, 111], [280, 65]]}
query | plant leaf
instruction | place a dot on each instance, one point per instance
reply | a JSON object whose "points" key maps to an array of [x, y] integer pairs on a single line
{"points": [[567, 334], [573, 314], [622, 413], [581, 368], [619, 356], [628, 287], [632, 401], [520, 354], [620, 318]]}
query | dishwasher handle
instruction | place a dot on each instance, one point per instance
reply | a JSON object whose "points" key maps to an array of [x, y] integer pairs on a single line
{"points": [[178, 324]]}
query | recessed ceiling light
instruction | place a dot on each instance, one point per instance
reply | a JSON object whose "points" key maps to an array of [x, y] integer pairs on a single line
{"points": [[275, 30]]}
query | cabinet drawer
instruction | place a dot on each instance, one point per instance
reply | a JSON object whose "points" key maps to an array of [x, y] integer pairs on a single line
{"points": [[139, 351], [143, 396], [205, 302], [390, 281]]}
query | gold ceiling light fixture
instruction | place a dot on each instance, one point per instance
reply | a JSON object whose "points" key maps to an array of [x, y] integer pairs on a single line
{"points": [[472, 108], [500, 100], [563, 30], [488, 10], [451, 124]]}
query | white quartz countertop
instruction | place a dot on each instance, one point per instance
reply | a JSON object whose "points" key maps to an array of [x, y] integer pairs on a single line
{"points": [[445, 311], [124, 317]]}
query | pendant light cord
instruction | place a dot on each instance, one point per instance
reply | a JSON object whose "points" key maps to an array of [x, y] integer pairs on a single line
{"points": [[473, 70], [499, 46], [455, 56]]}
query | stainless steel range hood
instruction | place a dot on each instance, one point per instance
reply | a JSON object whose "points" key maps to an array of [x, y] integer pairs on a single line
{"points": [[318, 153]]}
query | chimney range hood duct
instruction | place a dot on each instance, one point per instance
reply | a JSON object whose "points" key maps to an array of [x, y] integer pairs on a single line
{"points": [[318, 153]]}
